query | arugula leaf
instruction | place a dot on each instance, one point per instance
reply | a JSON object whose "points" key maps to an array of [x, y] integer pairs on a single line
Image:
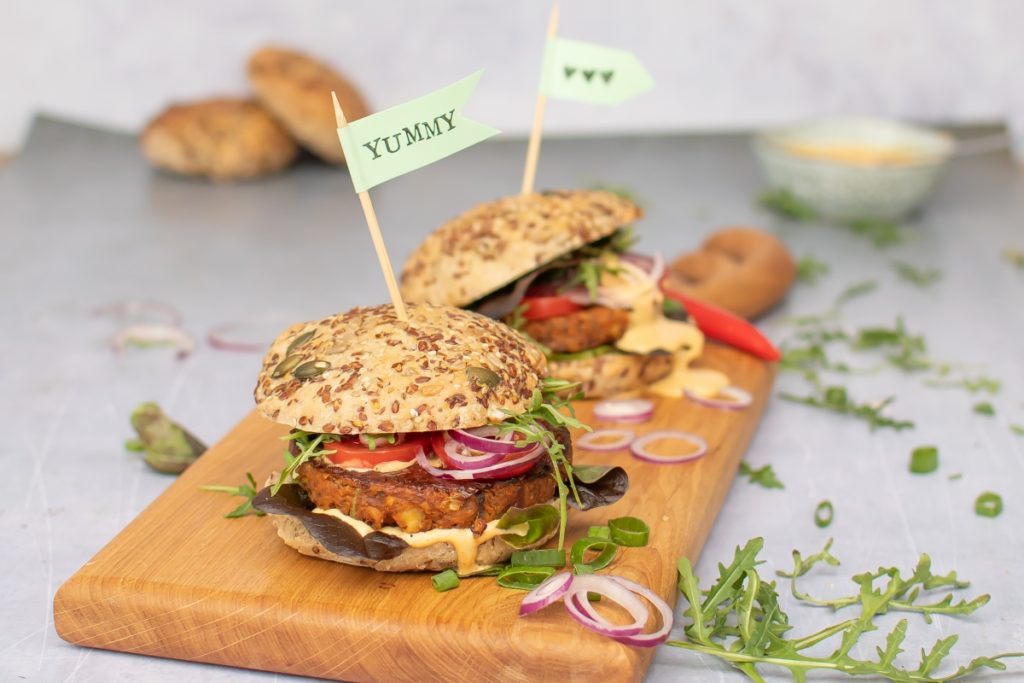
{"points": [[855, 291], [915, 276], [783, 202], [248, 490], [550, 408], [764, 476], [984, 383], [810, 269], [740, 621], [835, 398], [881, 232]]}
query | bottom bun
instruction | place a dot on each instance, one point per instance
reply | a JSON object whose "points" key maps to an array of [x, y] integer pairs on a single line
{"points": [[612, 374], [436, 557]]}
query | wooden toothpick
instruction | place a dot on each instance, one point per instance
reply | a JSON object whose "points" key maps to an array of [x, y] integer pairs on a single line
{"points": [[375, 235], [533, 149]]}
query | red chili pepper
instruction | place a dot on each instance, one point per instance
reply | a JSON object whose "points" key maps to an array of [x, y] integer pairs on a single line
{"points": [[728, 328]]}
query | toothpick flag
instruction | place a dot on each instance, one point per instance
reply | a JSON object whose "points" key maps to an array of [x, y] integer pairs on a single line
{"points": [[411, 135], [585, 72]]}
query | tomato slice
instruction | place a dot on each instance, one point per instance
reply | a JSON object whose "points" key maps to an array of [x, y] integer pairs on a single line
{"points": [[351, 452], [437, 441], [543, 307]]}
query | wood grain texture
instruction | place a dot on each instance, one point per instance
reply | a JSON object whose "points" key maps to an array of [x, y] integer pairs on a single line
{"points": [[181, 581]]}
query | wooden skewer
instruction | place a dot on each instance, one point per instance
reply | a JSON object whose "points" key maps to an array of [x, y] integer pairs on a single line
{"points": [[375, 234], [533, 148]]}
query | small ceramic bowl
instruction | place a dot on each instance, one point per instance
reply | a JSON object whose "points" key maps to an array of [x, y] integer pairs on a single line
{"points": [[854, 167]]}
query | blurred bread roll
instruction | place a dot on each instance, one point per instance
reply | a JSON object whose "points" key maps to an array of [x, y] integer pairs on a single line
{"points": [[744, 270], [222, 139], [297, 89]]}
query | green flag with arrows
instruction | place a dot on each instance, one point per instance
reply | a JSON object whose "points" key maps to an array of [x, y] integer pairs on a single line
{"points": [[411, 135], [586, 72]]}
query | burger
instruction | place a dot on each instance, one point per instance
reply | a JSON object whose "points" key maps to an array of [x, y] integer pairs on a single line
{"points": [[426, 444], [557, 267]]}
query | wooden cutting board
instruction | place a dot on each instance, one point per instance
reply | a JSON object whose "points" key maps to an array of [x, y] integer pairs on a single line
{"points": [[181, 581]]}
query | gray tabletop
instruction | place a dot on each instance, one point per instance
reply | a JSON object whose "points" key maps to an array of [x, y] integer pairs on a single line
{"points": [[85, 222]]}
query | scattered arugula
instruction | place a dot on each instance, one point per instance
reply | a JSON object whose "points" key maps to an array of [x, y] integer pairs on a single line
{"points": [[921, 278], [984, 383], [248, 490], [881, 232], [764, 476], [739, 619], [786, 204], [550, 408], [810, 269], [837, 400], [984, 408]]}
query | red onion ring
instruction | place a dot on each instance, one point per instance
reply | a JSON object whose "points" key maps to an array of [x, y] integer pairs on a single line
{"points": [[580, 609], [550, 590], [464, 461], [491, 472], [595, 441], [219, 338], [738, 399], [483, 439], [654, 266], [646, 639], [624, 410], [143, 335], [639, 447]]}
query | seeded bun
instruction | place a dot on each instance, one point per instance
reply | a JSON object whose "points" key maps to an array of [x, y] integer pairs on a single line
{"points": [[613, 374], [297, 90], [364, 371], [436, 557], [495, 243], [221, 139]]}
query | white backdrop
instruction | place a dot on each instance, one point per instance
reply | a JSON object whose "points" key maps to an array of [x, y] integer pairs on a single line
{"points": [[718, 63]]}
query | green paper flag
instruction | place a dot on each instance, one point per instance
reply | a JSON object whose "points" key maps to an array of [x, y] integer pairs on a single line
{"points": [[411, 135], [585, 72]]}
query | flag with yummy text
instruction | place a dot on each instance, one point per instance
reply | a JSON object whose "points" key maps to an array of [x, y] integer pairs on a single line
{"points": [[411, 135]]}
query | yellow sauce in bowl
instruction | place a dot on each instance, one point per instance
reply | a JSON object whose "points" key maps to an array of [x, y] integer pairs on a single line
{"points": [[855, 154]]}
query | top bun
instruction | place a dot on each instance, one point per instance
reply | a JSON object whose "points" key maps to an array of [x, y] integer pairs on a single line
{"points": [[365, 371], [498, 242]]}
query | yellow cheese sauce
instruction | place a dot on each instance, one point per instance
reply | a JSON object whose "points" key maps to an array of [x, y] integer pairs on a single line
{"points": [[387, 466], [463, 541], [649, 330], [854, 154]]}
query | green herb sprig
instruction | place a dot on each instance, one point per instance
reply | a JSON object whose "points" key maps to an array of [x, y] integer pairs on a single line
{"points": [[248, 490], [810, 269], [739, 620], [915, 276], [763, 476], [784, 203], [836, 399], [534, 426]]}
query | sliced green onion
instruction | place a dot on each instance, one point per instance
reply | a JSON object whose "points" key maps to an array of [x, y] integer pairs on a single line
{"points": [[924, 459], [546, 557], [823, 514], [524, 578], [988, 504], [540, 520], [629, 531], [604, 548], [598, 532], [984, 408], [445, 581], [134, 445]]}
